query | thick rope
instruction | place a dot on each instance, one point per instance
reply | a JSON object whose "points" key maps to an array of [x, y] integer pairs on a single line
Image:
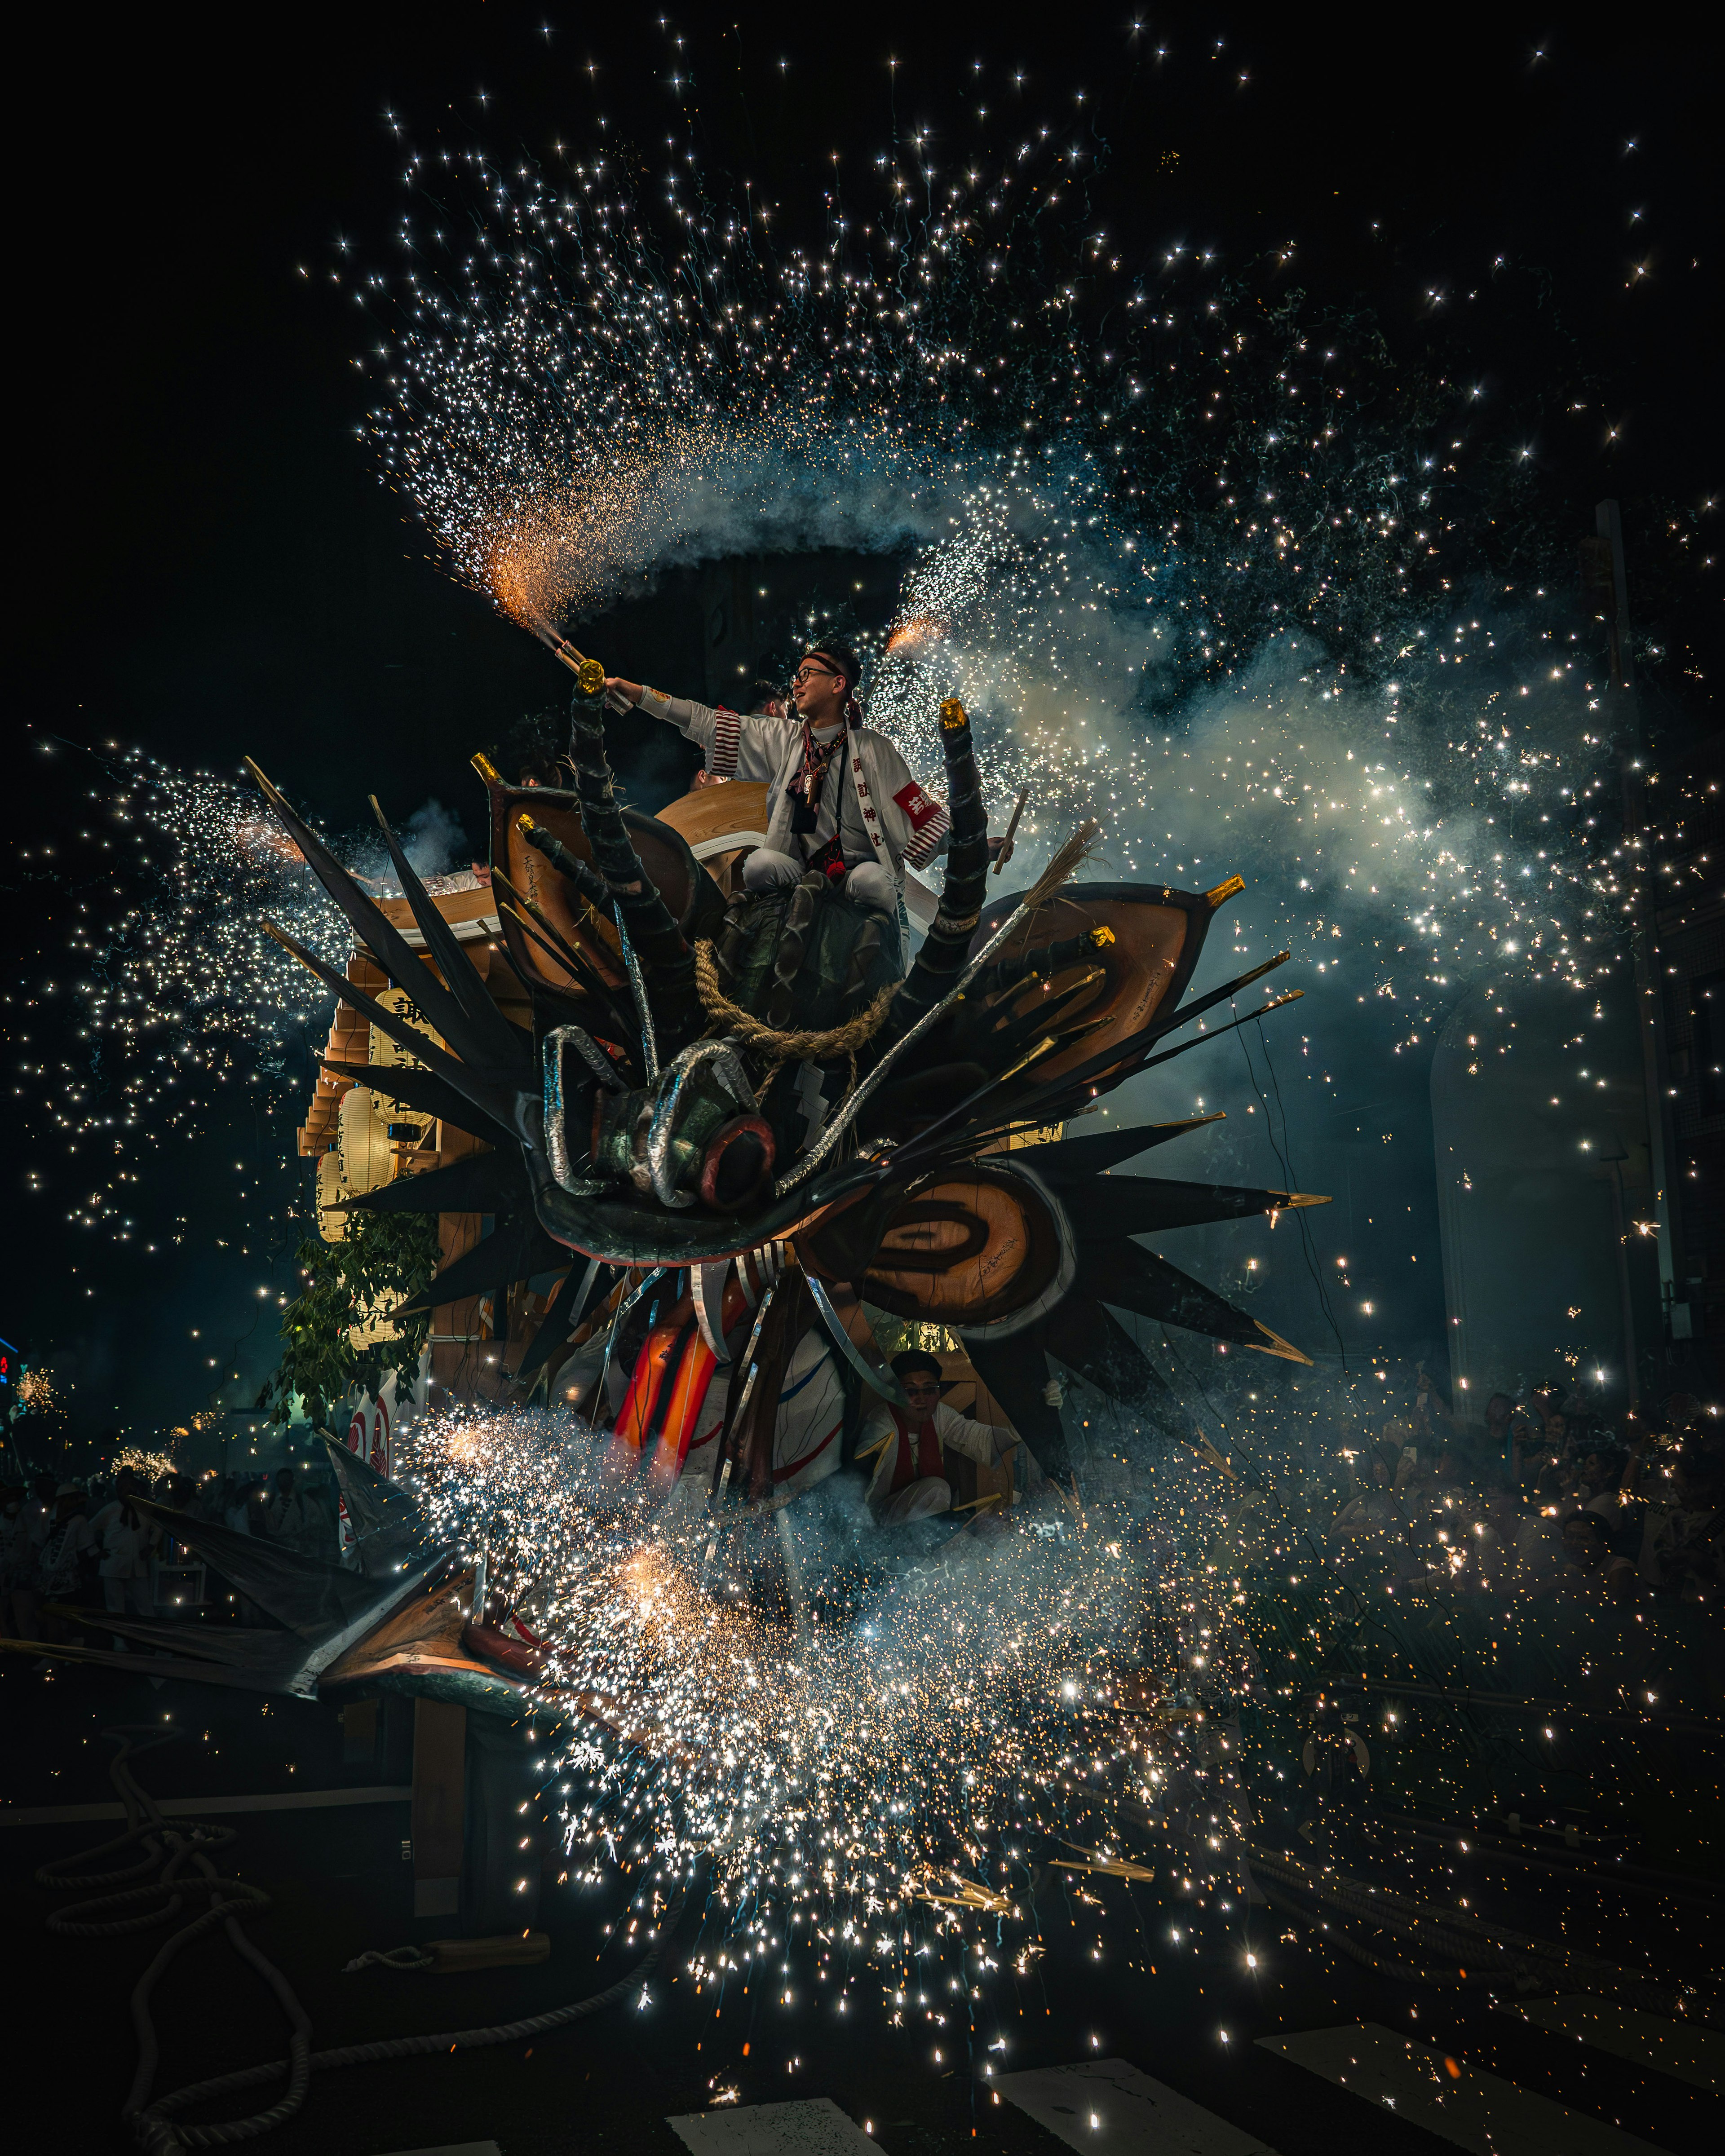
{"points": [[782, 1048], [169, 1846]]}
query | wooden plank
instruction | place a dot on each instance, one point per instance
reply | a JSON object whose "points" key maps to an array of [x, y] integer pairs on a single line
{"points": [[1108, 2107], [1470, 2109], [439, 1806], [813, 2127], [1687, 2050]]}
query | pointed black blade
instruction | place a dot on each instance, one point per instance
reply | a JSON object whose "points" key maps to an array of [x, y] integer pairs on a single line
{"points": [[515, 1248], [427, 1094], [1015, 1370], [561, 1318], [268, 1659], [311, 1598], [1091, 1341], [1142, 1204], [498, 1040], [374, 1502], [287, 1677], [477, 1183], [378, 933], [1069, 1160], [1132, 1278], [498, 1093]]}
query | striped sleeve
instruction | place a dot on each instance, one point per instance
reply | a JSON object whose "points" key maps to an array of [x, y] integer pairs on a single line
{"points": [[930, 840], [727, 737]]}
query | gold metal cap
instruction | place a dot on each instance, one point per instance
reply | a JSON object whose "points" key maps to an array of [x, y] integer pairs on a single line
{"points": [[1224, 891], [486, 769], [953, 715]]}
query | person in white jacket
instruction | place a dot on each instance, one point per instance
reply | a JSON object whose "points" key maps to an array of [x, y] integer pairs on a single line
{"points": [[127, 1541], [909, 1481], [840, 799]]}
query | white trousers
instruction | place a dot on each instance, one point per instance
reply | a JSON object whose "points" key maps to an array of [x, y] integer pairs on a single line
{"points": [[918, 1501], [867, 883], [129, 1597]]}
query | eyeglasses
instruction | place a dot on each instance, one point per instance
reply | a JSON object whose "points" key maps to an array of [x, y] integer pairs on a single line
{"points": [[808, 673]]}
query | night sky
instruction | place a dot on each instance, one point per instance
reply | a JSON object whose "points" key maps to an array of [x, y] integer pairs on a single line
{"points": [[210, 567]]}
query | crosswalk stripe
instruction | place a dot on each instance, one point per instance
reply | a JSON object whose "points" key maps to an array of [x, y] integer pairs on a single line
{"points": [[450, 2148], [1685, 2049], [1107, 2107], [813, 2127], [1463, 2106]]}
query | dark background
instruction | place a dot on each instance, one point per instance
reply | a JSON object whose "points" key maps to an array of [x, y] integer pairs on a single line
{"points": [[206, 564]]}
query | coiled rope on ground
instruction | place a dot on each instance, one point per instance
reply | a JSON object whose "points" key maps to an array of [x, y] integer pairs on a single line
{"points": [[169, 1847]]}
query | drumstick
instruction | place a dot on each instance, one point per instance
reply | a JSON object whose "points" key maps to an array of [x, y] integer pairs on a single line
{"points": [[1005, 853]]}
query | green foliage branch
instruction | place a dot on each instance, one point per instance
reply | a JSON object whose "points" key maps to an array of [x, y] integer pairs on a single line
{"points": [[386, 1259]]}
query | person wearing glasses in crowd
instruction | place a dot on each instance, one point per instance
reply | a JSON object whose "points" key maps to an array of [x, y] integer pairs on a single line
{"points": [[910, 1482], [840, 800]]}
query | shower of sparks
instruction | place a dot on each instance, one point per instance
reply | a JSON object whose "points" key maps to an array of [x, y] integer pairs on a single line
{"points": [[866, 1744], [1184, 578]]}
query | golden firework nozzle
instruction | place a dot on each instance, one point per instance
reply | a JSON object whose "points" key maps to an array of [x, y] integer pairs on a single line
{"points": [[486, 769], [1224, 891], [586, 671], [524, 824], [953, 716]]}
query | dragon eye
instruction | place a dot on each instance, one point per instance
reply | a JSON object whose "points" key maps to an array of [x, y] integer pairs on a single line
{"points": [[737, 1162]]}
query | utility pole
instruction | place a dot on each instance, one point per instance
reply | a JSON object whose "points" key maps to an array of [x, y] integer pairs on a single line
{"points": [[1606, 585]]}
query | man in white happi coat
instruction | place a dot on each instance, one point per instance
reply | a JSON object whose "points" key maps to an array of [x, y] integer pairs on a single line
{"points": [[840, 799], [909, 1481]]}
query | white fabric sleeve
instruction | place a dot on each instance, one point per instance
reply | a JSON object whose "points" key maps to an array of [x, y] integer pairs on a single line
{"points": [[735, 746], [976, 1440]]}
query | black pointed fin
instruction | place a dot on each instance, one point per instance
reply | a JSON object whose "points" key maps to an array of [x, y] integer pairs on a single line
{"points": [[1015, 1370], [183, 1669], [560, 1319], [427, 1094], [374, 1502], [1143, 1205], [380, 936], [477, 1183], [1092, 1342], [268, 1659], [310, 1597], [1132, 1278], [516, 1247], [496, 1092], [1070, 1160], [496, 1041]]}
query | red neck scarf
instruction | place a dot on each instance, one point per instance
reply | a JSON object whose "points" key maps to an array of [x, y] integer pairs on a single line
{"points": [[915, 1464]]}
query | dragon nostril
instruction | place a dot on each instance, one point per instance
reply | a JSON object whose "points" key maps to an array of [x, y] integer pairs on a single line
{"points": [[738, 1161]]}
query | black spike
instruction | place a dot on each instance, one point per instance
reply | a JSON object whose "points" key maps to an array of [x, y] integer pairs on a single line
{"points": [[1015, 1370], [427, 1094], [1090, 1341], [515, 1248], [560, 1319], [499, 1093], [496, 1038], [1143, 1205], [309, 1596], [1132, 1278], [1074, 1160], [477, 1183], [375, 930]]}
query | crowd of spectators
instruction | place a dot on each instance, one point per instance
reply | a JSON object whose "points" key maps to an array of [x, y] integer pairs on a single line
{"points": [[63, 1542], [1544, 1498]]}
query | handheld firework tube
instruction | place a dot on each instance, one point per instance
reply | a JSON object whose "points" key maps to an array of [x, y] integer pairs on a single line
{"points": [[657, 940], [1038, 962], [945, 949]]}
